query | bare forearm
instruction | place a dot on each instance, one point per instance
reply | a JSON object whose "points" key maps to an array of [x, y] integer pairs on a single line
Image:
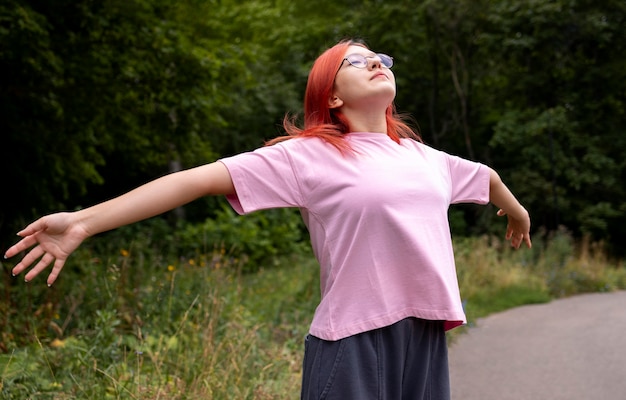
{"points": [[501, 196], [156, 197], [518, 225]]}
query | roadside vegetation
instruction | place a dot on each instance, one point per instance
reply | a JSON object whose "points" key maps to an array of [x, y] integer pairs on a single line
{"points": [[146, 313]]}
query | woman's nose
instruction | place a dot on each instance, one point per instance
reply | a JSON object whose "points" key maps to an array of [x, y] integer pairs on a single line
{"points": [[374, 62]]}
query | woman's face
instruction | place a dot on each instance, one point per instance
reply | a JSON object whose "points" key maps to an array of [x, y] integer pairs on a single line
{"points": [[372, 86]]}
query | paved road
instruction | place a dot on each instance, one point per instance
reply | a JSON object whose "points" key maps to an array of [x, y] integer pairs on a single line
{"points": [[569, 349]]}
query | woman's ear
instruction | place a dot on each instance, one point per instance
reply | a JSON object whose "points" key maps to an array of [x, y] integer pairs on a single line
{"points": [[334, 102]]}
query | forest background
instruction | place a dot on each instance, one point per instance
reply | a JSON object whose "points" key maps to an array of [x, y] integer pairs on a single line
{"points": [[100, 96]]}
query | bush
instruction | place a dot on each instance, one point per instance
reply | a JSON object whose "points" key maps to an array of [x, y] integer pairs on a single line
{"points": [[259, 239]]}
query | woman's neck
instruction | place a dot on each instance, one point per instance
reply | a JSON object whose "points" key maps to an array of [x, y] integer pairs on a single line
{"points": [[366, 121]]}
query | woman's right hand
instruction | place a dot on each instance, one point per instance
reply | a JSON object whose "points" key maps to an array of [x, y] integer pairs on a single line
{"points": [[51, 239]]}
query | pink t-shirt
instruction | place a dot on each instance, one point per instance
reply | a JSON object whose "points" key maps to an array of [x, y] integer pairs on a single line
{"points": [[378, 221]]}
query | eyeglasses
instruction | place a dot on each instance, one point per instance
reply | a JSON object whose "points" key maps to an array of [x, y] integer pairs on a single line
{"points": [[360, 61]]}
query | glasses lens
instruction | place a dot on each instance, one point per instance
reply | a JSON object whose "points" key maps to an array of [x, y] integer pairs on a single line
{"points": [[357, 60], [385, 60]]}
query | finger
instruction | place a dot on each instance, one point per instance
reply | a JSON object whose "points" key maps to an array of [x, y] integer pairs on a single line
{"points": [[34, 227], [56, 270], [28, 260], [501, 213], [22, 245], [509, 234], [41, 265], [528, 242], [517, 240]]}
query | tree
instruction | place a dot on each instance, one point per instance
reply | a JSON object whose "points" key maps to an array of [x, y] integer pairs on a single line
{"points": [[102, 96], [104, 92], [560, 109]]}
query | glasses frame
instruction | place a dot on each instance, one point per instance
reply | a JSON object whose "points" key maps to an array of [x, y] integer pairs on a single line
{"points": [[385, 60]]}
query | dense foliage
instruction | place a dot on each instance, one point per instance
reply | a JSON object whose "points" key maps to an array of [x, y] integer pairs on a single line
{"points": [[98, 97]]}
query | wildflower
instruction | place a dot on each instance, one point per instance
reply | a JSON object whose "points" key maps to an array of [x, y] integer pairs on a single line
{"points": [[57, 343], [171, 268], [124, 253], [192, 262]]}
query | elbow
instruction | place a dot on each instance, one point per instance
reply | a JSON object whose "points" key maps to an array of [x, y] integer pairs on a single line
{"points": [[494, 180]]}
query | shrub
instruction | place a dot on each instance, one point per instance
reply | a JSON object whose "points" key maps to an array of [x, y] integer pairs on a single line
{"points": [[260, 239]]}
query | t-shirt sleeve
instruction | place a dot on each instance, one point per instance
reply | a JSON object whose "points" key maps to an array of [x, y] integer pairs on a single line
{"points": [[264, 178], [469, 181]]}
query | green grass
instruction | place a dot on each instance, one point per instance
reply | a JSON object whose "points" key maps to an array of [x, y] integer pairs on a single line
{"points": [[190, 331], [130, 320]]}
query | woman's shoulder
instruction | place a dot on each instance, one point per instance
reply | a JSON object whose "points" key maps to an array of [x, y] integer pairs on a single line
{"points": [[421, 146], [305, 146]]}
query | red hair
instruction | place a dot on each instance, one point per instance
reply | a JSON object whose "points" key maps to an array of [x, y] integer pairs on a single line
{"points": [[328, 123]]}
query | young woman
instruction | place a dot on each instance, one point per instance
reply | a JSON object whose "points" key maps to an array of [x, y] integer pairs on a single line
{"points": [[375, 200]]}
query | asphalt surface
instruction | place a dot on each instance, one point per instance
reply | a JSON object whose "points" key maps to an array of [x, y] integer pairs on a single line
{"points": [[569, 349]]}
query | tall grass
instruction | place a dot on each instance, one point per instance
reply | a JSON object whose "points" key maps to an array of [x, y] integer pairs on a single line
{"points": [[493, 277], [130, 320]]}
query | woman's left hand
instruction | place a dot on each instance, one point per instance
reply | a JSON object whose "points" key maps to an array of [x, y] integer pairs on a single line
{"points": [[517, 230]]}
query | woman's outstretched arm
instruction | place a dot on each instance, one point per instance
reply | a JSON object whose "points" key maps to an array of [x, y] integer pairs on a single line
{"points": [[518, 227], [54, 237]]}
